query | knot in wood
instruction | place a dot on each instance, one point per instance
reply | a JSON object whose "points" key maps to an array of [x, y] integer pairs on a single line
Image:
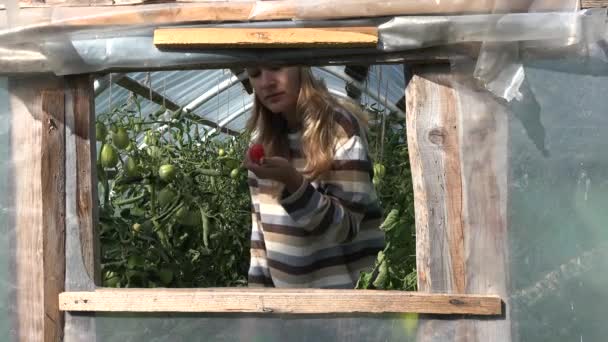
{"points": [[437, 136], [455, 301]]}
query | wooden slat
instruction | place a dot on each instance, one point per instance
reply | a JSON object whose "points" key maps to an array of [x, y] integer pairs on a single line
{"points": [[81, 245], [304, 301], [434, 150], [38, 152], [484, 150], [193, 38], [594, 3], [81, 88], [222, 11], [457, 139]]}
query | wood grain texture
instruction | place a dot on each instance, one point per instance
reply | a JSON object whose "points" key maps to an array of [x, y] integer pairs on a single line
{"points": [[594, 3], [435, 160], [457, 138], [287, 9], [484, 149], [81, 241], [197, 38], [38, 152], [81, 88], [303, 301], [136, 12]]}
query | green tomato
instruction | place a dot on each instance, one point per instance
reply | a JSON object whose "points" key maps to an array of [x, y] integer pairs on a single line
{"points": [[376, 181], [109, 156], [136, 228], [100, 131], [165, 196], [131, 169], [167, 172], [221, 152], [379, 170], [120, 138], [234, 174]]}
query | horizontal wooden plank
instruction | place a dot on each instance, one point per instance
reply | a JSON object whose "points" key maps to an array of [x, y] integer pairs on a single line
{"points": [[300, 37], [594, 3], [135, 12], [296, 301]]}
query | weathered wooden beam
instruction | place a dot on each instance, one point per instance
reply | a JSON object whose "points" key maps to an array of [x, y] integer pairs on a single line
{"points": [[38, 155], [594, 3], [82, 98], [82, 242], [457, 139], [299, 37], [305, 301], [73, 13]]}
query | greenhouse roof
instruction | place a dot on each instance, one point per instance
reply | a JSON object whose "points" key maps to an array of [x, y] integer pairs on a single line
{"points": [[219, 97]]}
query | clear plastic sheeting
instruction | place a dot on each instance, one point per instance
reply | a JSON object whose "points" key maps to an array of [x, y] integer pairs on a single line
{"points": [[252, 328], [558, 192], [407, 33], [71, 41]]}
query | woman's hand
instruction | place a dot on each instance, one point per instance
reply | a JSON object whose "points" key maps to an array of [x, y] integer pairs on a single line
{"points": [[278, 169]]}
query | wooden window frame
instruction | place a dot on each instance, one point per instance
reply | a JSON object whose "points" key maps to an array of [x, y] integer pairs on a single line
{"points": [[88, 297]]}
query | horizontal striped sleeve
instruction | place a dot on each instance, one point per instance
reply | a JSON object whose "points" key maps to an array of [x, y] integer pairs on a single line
{"points": [[259, 273], [336, 212]]}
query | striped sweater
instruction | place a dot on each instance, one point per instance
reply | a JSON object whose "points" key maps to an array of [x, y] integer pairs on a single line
{"points": [[325, 233]]}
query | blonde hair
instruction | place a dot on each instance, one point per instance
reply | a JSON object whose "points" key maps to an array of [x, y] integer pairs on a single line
{"points": [[316, 111]]}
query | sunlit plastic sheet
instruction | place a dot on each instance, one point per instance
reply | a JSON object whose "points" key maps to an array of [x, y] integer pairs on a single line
{"points": [[58, 40], [88, 50], [558, 193]]}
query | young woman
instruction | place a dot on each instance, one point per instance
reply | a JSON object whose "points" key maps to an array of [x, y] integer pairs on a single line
{"points": [[315, 212]]}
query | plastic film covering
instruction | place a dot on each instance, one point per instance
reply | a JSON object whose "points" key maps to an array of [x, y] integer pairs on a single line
{"points": [[69, 40], [200, 327], [558, 190]]}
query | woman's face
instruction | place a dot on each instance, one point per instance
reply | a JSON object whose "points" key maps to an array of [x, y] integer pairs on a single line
{"points": [[276, 87]]}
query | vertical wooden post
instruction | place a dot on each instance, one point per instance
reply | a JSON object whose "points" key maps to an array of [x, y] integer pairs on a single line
{"points": [[83, 136], [82, 256], [38, 170], [43, 111], [457, 138]]}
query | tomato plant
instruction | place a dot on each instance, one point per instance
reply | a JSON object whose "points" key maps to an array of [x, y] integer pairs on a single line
{"points": [[395, 266], [174, 210]]}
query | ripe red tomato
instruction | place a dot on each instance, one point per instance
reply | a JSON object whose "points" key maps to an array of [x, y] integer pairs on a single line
{"points": [[256, 153]]}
